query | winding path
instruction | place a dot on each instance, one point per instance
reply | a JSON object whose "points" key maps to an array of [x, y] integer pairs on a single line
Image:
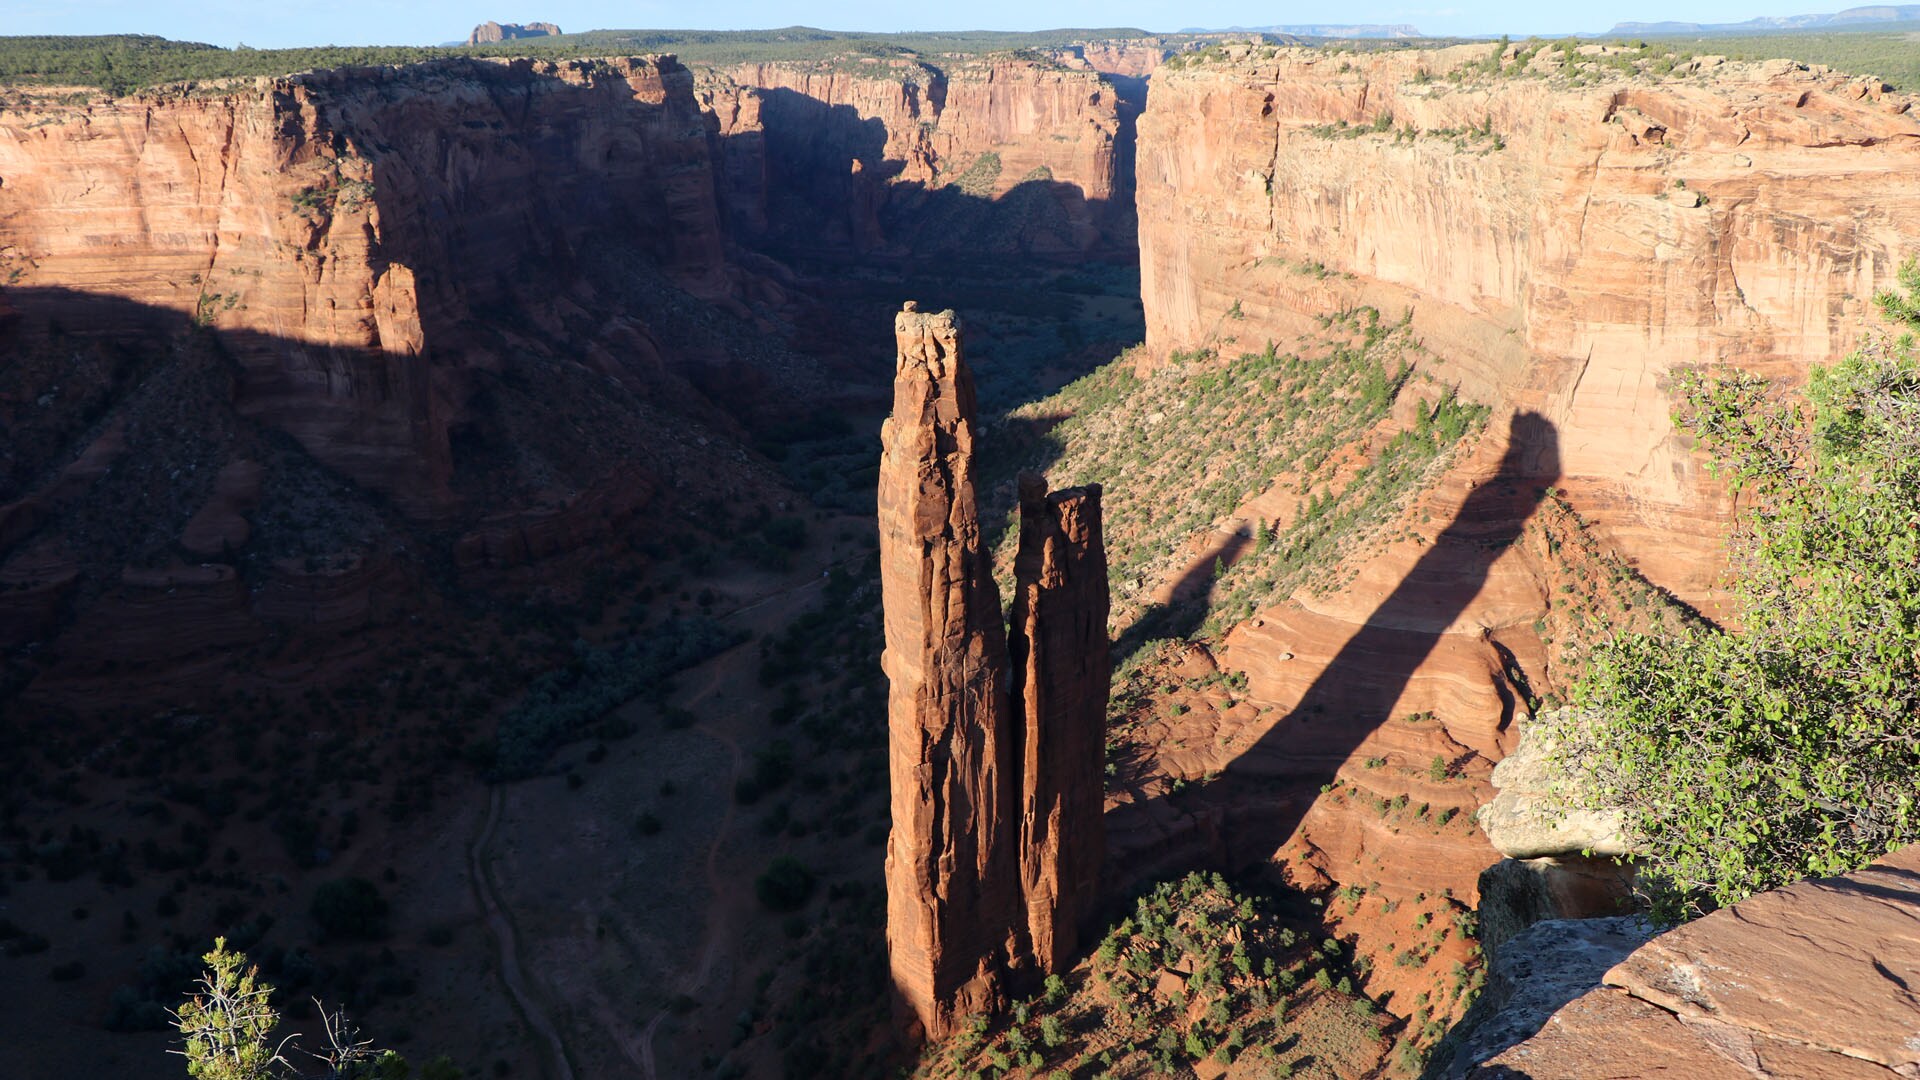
{"points": [[526, 1000], [501, 926]]}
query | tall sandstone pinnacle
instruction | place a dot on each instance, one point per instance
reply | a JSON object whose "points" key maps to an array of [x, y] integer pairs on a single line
{"points": [[1058, 645], [952, 880], [995, 738]]}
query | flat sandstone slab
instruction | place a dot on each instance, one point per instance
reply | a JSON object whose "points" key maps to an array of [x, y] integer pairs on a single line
{"points": [[1813, 981]]}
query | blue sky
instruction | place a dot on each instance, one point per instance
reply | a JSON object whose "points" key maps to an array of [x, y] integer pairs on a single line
{"points": [[282, 23]]}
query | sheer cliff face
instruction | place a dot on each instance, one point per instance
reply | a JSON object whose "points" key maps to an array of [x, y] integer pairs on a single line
{"points": [[340, 228], [1563, 248], [860, 153]]}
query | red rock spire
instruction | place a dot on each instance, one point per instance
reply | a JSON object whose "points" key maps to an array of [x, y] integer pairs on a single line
{"points": [[995, 753], [1058, 644], [952, 878]]}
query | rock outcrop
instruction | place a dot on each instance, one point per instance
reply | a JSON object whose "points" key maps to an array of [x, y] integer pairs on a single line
{"points": [[952, 875], [995, 756], [489, 32], [1548, 965], [1811, 981], [1059, 652], [1538, 811], [1566, 857]]}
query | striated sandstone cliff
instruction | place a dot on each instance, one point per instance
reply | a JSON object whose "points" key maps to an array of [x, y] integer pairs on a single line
{"points": [[1561, 248], [898, 156], [296, 345], [343, 228]]}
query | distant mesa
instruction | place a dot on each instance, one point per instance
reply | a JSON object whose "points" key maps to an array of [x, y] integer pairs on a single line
{"points": [[1852, 17], [1323, 30], [489, 32]]}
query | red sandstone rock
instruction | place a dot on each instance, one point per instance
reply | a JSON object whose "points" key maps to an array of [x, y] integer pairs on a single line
{"points": [[861, 137], [1563, 272], [1059, 652], [953, 886], [1812, 981], [220, 525]]}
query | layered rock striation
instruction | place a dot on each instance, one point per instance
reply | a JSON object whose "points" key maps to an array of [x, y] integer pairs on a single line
{"points": [[343, 230], [995, 736], [1563, 232], [1567, 233]]}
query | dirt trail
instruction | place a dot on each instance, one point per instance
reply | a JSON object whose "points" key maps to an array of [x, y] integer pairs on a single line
{"points": [[721, 910], [638, 1048], [501, 926]]}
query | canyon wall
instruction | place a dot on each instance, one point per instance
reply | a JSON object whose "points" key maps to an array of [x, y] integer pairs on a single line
{"points": [[341, 229], [1564, 231], [1564, 247], [891, 157], [279, 347]]}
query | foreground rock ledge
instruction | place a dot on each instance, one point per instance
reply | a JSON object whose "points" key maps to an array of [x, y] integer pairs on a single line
{"points": [[1813, 981]]}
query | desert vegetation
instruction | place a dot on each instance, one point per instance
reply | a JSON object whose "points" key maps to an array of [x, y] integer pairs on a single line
{"points": [[1183, 447], [1200, 974], [1747, 757]]}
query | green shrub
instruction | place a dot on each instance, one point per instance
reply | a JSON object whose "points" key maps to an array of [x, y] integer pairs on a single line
{"points": [[1747, 759]]}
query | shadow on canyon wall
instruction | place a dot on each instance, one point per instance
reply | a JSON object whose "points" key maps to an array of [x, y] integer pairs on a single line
{"points": [[1240, 818]]}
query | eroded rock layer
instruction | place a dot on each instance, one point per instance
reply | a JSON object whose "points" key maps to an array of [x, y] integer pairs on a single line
{"points": [[1563, 245], [1059, 652], [952, 876], [1563, 232], [341, 229]]}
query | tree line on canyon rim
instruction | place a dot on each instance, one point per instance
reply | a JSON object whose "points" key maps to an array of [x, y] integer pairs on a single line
{"points": [[124, 63]]}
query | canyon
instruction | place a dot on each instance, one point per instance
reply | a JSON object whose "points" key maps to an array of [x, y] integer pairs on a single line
{"points": [[308, 376], [1563, 236]]}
